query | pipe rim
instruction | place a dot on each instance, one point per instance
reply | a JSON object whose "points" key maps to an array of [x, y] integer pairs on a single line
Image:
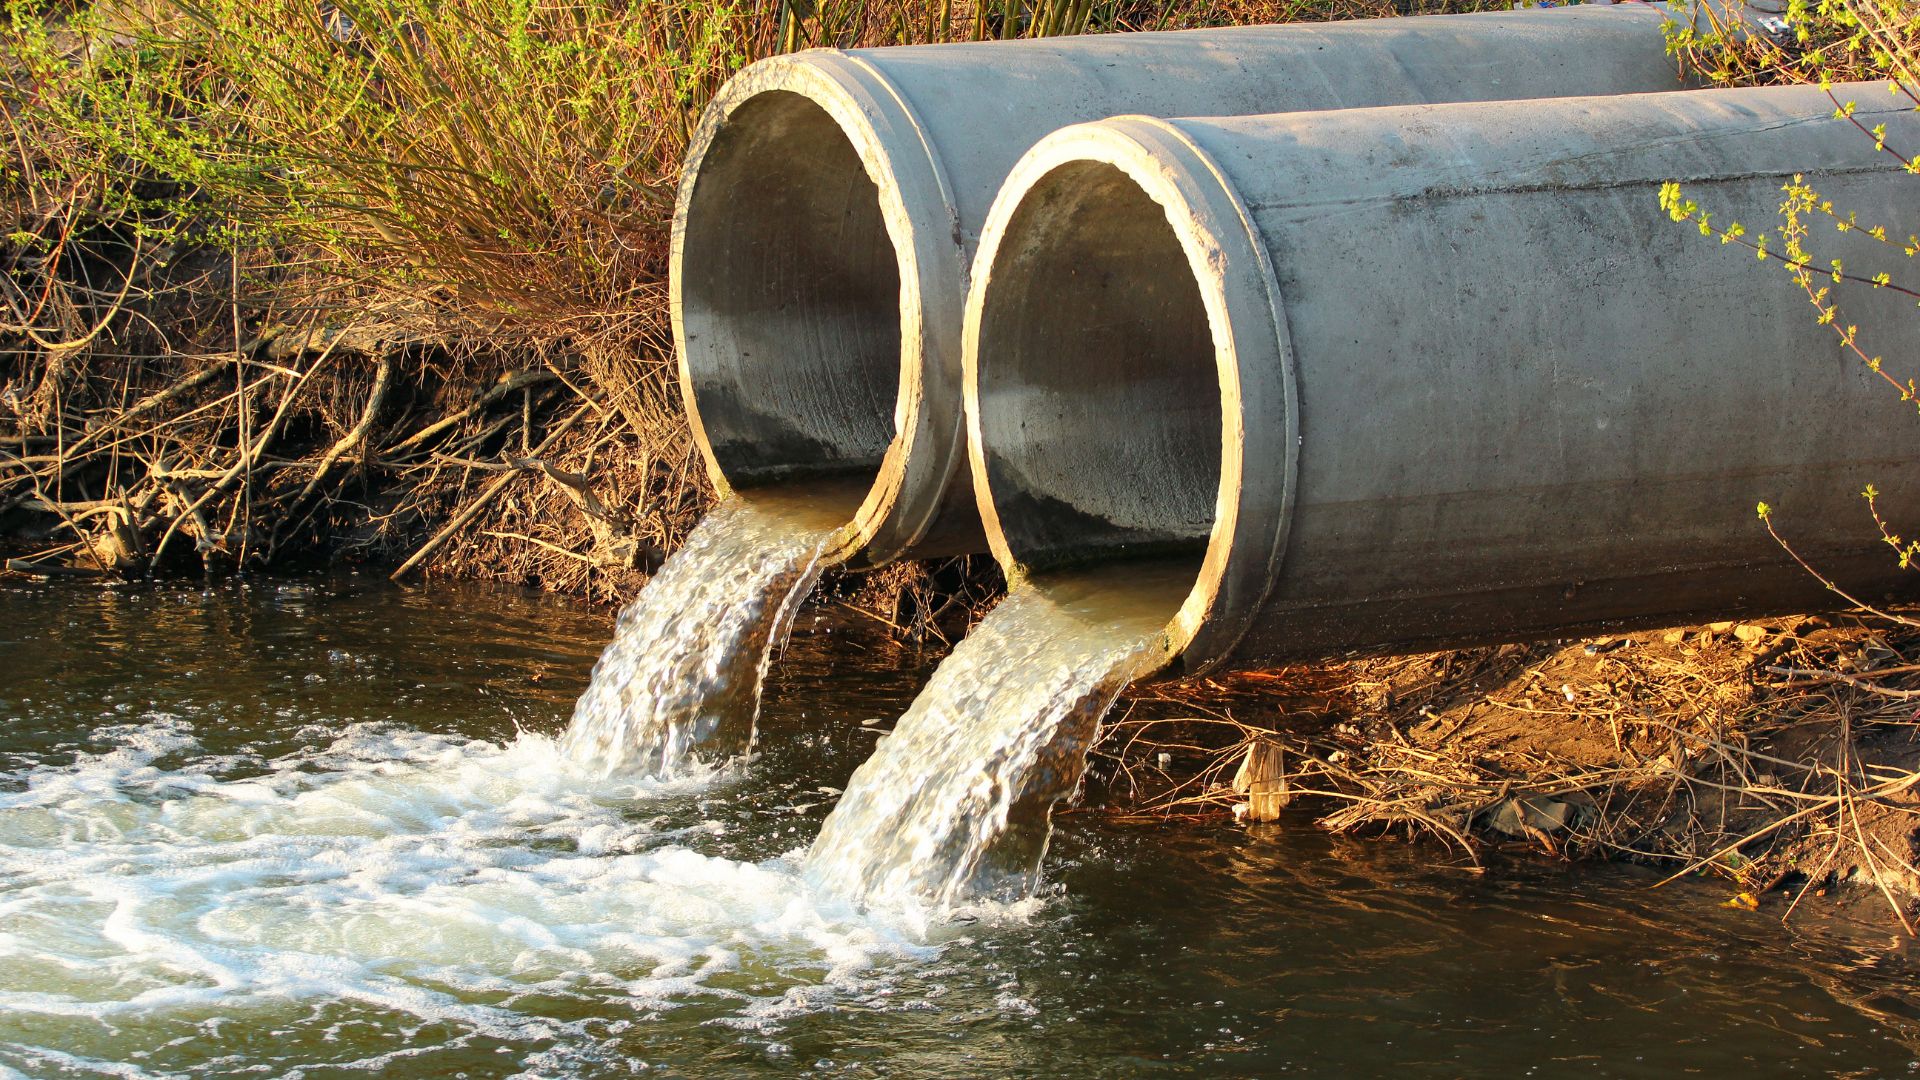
{"points": [[1253, 357], [915, 196]]}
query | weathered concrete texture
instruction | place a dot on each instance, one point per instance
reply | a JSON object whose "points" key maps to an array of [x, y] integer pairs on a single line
{"points": [[1413, 377], [832, 202]]}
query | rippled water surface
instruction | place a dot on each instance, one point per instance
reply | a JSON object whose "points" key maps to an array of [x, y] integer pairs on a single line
{"points": [[324, 828]]}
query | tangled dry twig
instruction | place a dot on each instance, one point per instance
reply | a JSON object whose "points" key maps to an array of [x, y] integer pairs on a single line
{"points": [[1782, 757]]}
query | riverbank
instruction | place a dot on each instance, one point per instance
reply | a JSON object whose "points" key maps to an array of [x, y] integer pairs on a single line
{"points": [[1779, 756]]}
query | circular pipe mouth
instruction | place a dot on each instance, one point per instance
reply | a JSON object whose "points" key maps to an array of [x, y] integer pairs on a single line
{"points": [[1128, 387], [797, 296]]}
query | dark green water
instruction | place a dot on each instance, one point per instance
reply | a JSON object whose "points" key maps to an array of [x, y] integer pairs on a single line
{"points": [[321, 829]]}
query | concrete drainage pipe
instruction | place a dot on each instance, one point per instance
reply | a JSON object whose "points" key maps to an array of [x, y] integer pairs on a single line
{"points": [[1392, 379], [832, 200]]}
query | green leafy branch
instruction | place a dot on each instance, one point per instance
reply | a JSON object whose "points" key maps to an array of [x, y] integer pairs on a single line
{"points": [[1814, 275]]}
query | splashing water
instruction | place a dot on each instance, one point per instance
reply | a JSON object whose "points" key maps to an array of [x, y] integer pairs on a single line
{"points": [[387, 881], [683, 672], [954, 804]]}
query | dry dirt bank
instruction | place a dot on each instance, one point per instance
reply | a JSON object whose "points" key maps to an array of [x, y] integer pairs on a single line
{"points": [[1779, 755]]}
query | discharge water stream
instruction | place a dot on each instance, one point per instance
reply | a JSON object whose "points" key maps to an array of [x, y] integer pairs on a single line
{"points": [[955, 803], [327, 829], [682, 675]]}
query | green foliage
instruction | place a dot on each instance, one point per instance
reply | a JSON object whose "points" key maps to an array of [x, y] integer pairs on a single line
{"points": [[1826, 42], [1814, 41], [513, 161]]}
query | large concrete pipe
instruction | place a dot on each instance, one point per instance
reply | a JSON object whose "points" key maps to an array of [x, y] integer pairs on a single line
{"points": [[1400, 378], [832, 201]]}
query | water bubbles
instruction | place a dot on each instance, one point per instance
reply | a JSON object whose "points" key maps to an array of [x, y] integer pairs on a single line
{"points": [[403, 877]]}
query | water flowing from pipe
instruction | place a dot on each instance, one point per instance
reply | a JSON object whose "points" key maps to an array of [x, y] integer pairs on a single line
{"points": [[955, 803], [682, 676]]}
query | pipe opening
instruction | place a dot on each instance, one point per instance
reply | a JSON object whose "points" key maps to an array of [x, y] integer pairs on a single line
{"points": [[1099, 400], [790, 300]]}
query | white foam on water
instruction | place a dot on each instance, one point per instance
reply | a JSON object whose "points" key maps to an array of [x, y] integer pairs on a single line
{"points": [[406, 877]]}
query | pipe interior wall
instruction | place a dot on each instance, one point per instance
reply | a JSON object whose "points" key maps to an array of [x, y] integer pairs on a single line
{"points": [[800, 292]]}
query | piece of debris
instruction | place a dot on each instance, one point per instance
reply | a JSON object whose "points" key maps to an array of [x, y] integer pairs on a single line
{"points": [[1262, 778], [1524, 815]]}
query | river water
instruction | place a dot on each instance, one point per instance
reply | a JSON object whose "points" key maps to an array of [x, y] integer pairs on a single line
{"points": [[320, 828]]}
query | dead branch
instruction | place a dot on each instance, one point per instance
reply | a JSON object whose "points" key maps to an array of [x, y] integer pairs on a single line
{"points": [[1854, 681], [479, 503], [519, 380]]}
